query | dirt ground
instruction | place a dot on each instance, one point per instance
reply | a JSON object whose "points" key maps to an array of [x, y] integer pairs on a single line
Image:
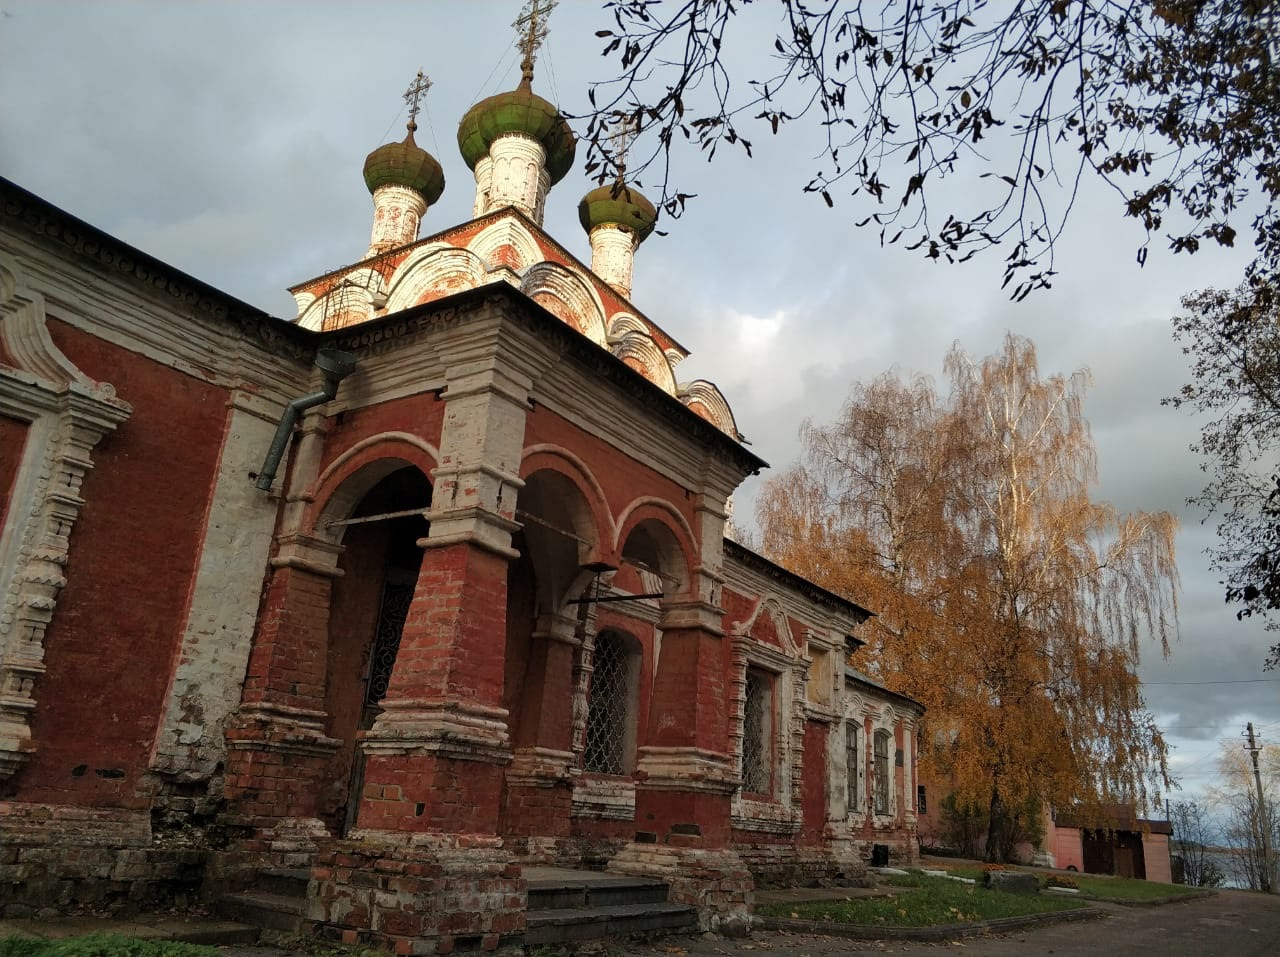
{"points": [[1227, 924]]}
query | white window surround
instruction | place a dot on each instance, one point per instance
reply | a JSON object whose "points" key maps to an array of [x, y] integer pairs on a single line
{"points": [[788, 665], [884, 721], [67, 414], [854, 712]]}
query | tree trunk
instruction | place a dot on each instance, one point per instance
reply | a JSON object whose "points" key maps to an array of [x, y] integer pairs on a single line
{"points": [[997, 824]]}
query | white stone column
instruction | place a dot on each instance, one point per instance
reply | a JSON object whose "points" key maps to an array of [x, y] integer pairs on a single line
{"points": [[205, 687], [613, 251], [518, 176], [908, 771], [397, 213], [484, 185]]}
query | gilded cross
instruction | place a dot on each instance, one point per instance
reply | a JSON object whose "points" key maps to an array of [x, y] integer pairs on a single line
{"points": [[531, 26], [413, 96], [624, 131]]}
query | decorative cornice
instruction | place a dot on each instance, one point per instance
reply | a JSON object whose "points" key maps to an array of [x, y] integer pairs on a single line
{"points": [[409, 327], [858, 678], [41, 218], [815, 593]]}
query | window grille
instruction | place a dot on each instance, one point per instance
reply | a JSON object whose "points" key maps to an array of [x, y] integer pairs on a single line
{"points": [[882, 772], [922, 802], [396, 598], [756, 753], [851, 732], [607, 709]]}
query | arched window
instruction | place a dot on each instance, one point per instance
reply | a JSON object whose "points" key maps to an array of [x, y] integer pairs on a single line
{"points": [[882, 771], [852, 731], [611, 706], [757, 734]]}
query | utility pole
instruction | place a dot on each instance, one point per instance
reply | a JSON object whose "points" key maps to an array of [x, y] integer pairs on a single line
{"points": [[1264, 818]]}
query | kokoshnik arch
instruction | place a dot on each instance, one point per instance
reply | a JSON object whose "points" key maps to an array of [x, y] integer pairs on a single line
{"points": [[485, 615]]}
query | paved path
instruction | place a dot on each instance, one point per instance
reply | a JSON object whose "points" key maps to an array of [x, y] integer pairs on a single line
{"points": [[1228, 924]]}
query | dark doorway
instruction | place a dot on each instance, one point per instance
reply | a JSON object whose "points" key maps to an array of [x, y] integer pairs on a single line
{"points": [[371, 600]]}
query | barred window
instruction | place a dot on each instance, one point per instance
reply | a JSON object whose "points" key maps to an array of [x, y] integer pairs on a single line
{"points": [[609, 709], [882, 771], [397, 596], [922, 800], [757, 721], [852, 730]]}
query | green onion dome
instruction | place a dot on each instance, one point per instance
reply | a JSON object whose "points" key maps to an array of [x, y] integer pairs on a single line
{"points": [[618, 205], [405, 164], [520, 111]]}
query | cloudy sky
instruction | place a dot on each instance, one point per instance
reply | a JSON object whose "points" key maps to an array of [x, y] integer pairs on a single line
{"points": [[227, 139]]}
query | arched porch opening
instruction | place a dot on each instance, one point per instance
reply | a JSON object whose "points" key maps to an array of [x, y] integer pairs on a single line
{"points": [[556, 543], [653, 560], [378, 569]]}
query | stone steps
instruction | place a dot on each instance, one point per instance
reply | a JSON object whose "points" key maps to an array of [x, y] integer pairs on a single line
{"points": [[277, 900], [566, 924], [568, 909], [282, 912]]}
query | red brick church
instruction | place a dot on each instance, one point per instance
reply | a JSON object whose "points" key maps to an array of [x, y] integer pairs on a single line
{"points": [[416, 594]]}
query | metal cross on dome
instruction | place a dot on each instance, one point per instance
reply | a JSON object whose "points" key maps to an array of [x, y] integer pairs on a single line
{"points": [[413, 96], [620, 137], [531, 26]]}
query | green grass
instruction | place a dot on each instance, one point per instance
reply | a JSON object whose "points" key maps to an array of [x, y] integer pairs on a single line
{"points": [[1128, 888], [921, 901], [101, 945], [1096, 885]]}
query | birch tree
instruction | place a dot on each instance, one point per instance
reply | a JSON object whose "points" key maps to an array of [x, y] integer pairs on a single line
{"points": [[1011, 603]]}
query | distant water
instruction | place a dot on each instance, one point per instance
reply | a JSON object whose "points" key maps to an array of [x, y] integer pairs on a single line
{"points": [[1227, 866]]}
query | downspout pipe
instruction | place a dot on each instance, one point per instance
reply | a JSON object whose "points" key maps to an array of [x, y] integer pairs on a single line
{"points": [[335, 365]]}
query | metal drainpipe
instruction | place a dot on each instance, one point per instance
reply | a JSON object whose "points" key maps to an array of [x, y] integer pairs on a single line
{"points": [[335, 365]]}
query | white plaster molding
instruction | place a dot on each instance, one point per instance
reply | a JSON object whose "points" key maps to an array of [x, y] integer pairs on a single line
{"points": [[789, 667], [397, 213], [685, 769], [461, 730], [602, 797], [508, 232], [613, 251], [518, 176], [432, 272], [67, 414], [644, 350], [709, 396], [222, 612], [146, 310], [578, 466], [671, 511], [25, 334], [305, 301], [344, 500], [622, 323], [568, 296]]}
